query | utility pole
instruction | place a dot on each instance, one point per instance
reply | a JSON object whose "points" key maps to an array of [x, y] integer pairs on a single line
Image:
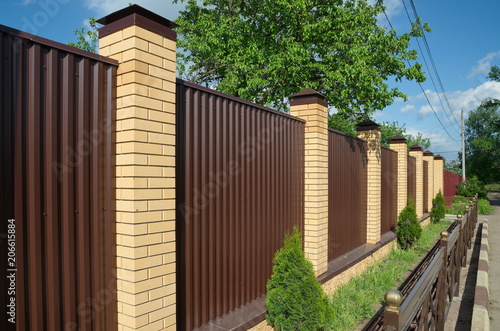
{"points": [[463, 148]]}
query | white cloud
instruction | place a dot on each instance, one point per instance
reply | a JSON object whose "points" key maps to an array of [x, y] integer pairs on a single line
{"points": [[440, 142], [424, 111], [483, 66], [163, 8], [407, 108], [467, 100]]}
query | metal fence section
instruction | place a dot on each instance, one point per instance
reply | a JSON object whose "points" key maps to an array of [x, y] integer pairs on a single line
{"points": [[451, 181], [241, 174], [347, 180], [57, 178], [412, 177], [389, 212], [426, 186]]}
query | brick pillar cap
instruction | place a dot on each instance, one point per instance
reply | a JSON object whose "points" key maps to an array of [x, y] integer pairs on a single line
{"points": [[398, 140], [137, 15], [428, 153], [367, 125], [438, 157], [306, 97], [416, 148]]}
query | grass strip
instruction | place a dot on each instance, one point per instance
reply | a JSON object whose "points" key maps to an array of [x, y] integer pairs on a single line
{"points": [[360, 298]]}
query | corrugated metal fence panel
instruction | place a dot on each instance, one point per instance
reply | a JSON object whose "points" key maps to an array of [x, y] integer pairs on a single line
{"points": [[242, 170], [58, 183], [412, 177], [346, 193], [389, 190], [426, 186], [451, 181]]}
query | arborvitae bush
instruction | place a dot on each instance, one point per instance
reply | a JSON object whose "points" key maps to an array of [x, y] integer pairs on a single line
{"points": [[295, 299], [438, 210], [409, 230]]}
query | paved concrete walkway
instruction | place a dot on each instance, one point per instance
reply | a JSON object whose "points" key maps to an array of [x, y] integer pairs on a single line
{"points": [[460, 314], [494, 259]]}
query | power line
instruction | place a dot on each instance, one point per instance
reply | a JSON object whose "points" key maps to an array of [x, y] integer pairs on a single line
{"points": [[419, 84], [433, 64], [431, 59]]}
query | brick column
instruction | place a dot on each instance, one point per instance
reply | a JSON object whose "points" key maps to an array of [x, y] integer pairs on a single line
{"points": [[399, 145], [438, 173], [429, 157], [416, 151], [312, 107], [144, 44], [370, 132]]}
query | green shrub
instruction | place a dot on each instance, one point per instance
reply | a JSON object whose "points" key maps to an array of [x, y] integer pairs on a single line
{"points": [[458, 207], [484, 207], [471, 187], [409, 229], [295, 299], [438, 210]]}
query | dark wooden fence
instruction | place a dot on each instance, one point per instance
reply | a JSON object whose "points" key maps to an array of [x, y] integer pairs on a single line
{"points": [[240, 176], [412, 177], [57, 179], [425, 297], [389, 212], [347, 166]]}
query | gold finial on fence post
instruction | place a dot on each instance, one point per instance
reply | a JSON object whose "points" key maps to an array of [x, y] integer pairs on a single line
{"points": [[392, 311], [445, 235]]}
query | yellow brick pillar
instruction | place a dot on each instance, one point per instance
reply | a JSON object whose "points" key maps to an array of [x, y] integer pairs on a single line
{"points": [[370, 132], [429, 157], [438, 173], [312, 107], [398, 144], [144, 44], [416, 151]]}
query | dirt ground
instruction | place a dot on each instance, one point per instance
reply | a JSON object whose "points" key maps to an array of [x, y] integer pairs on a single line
{"points": [[460, 314]]}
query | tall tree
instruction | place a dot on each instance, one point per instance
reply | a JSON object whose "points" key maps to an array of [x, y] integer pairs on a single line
{"points": [[391, 129], [266, 50], [494, 74], [482, 142]]}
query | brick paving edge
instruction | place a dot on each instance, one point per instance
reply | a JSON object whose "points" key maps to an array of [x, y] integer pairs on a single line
{"points": [[481, 311]]}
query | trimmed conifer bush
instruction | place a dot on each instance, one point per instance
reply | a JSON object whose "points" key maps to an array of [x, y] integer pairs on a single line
{"points": [[295, 299], [409, 229], [438, 210]]}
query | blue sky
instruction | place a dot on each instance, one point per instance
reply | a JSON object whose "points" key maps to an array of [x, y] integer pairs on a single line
{"points": [[464, 43]]}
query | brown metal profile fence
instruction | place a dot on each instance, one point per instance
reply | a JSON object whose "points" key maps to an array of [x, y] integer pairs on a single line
{"points": [[240, 172], [57, 178], [412, 177], [426, 186], [389, 192], [347, 180]]}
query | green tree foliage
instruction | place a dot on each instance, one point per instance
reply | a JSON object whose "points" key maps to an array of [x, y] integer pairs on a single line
{"points": [[482, 142], [266, 50], [295, 299], [391, 129], [409, 229], [438, 210], [494, 74], [87, 39], [471, 187]]}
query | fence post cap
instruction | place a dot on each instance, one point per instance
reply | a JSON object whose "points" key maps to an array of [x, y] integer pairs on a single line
{"points": [[393, 298], [459, 217], [444, 235]]}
